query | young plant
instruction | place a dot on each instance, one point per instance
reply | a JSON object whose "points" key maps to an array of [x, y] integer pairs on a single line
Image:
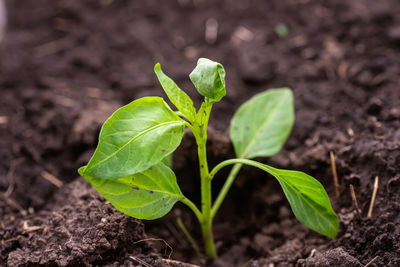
{"points": [[127, 167]]}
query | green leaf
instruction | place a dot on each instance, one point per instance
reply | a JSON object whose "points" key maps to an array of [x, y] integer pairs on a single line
{"points": [[135, 137], [209, 79], [178, 97], [308, 200], [202, 114], [261, 126], [307, 197], [146, 195]]}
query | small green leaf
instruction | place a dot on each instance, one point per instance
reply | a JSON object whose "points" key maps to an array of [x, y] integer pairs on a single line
{"points": [[307, 197], [146, 195], [209, 79], [308, 200], [178, 97], [136, 137], [261, 126], [201, 115]]}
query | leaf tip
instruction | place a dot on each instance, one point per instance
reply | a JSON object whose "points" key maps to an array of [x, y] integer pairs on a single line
{"points": [[81, 170], [336, 228], [157, 67], [332, 235], [287, 91], [332, 230]]}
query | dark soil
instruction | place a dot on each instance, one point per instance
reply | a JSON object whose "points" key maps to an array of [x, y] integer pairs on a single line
{"points": [[65, 66]]}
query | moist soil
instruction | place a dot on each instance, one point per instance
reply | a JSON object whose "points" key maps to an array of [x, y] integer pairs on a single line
{"points": [[65, 66]]}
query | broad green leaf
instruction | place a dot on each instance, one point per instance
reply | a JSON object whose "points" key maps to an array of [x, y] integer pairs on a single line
{"points": [[136, 137], [209, 79], [178, 97], [308, 200], [146, 195], [261, 126]]}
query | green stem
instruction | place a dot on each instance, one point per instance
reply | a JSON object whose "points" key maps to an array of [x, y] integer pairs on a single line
{"points": [[206, 224], [229, 181], [200, 134], [224, 191], [199, 130], [193, 207]]}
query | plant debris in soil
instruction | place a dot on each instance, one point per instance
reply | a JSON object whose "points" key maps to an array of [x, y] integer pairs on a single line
{"points": [[65, 66]]}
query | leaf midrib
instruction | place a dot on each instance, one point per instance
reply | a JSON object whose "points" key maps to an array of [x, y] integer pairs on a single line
{"points": [[153, 190], [131, 140], [172, 194], [145, 204]]}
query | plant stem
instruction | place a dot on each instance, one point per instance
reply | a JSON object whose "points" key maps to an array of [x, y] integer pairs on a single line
{"points": [[193, 207], [199, 130], [228, 183], [206, 199], [231, 177]]}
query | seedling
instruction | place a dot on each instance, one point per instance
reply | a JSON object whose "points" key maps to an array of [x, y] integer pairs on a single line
{"points": [[127, 166]]}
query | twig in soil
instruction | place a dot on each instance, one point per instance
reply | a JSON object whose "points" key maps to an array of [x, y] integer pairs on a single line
{"points": [[12, 239], [335, 176], [51, 178], [28, 228], [157, 239], [141, 261], [355, 202], [192, 242], [371, 261], [46, 230], [371, 205]]}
